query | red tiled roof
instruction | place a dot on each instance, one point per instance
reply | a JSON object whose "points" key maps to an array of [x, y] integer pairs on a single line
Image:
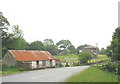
{"points": [[31, 55]]}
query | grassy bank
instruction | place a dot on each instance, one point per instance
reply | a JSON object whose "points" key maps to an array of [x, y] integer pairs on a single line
{"points": [[10, 70], [93, 74], [69, 57]]}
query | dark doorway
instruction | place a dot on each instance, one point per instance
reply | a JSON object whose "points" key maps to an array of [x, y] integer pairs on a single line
{"points": [[37, 63], [50, 63]]}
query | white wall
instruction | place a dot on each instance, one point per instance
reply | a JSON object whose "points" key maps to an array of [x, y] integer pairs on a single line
{"points": [[53, 63], [34, 64]]}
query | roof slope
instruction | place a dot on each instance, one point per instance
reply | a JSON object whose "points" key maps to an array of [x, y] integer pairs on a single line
{"points": [[30, 55]]}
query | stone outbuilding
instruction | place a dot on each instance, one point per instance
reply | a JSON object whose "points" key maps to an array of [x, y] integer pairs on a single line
{"points": [[29, 59]]}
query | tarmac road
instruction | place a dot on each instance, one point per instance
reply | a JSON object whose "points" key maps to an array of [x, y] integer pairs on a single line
{"points": [[45, 75]]}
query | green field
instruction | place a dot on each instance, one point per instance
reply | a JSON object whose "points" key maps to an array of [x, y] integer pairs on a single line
{"points": [[93, 74], [74, 58], [69, 57], [100, 58]]}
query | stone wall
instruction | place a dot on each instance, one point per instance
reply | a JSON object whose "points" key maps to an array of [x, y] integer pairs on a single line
{"points": [[9, 60]]}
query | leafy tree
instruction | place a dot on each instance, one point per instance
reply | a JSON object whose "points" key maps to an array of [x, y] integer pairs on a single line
{"points": [[13, 40], [108, 51], [16, 32], [84, 57], [102, 51], [72, 49], [36, 45], [3, 20], [3, 23], [49, 46], [63, 46], [115, 45], [113, 50], [20, 44], [48, 42]]}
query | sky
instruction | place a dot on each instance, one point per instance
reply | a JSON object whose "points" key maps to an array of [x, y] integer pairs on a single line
{"points": [[80, 21]]}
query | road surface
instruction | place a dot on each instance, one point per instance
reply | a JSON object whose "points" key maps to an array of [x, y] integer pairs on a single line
{"points": [[46, 75]]}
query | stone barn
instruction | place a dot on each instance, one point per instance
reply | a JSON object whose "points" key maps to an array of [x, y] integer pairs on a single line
{"points": [[29, 59]]}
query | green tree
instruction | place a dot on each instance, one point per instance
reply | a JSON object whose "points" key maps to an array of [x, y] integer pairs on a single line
{"points": [[36, 45], [84, 57], [3, 24], [113, 50], [102, 51], [3, 20], [49, 46], [20, 44], [72, 49], [13, 40], [115, 45], [48, 42], [63, 46]]}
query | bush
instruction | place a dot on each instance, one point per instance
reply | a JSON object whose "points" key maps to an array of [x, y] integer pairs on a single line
{"points": [[67, 65], [76, 64], [84, 57], [13, 67], [110, 67]]}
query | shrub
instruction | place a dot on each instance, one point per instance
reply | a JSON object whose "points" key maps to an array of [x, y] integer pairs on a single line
{"points": [[110, 67], [75, 64], [67, 65], [13, 67], [84, 57]]}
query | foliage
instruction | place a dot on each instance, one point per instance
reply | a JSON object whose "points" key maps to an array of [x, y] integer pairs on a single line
{"points": [[10, 69], [48, 42], [72, 49], [113, 50], [49, 46], [84, 57], [21, 44], [52, 49], [36, 45], [102, 51], [108, 51], [13, 40], [63, 46], [111, 67], [75, 64], [92, 74], [3, 20]]}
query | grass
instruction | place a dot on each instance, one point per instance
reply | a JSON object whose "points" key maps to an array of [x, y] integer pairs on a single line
{"points": [[63, 59], [10, 70], [93, 74]]}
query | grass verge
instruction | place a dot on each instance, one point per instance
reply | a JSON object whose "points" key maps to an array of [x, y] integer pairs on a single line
{"points": [[10, 70], [93, 74]]}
